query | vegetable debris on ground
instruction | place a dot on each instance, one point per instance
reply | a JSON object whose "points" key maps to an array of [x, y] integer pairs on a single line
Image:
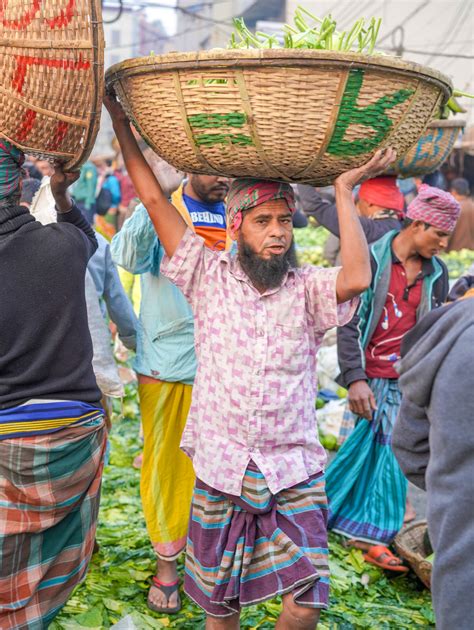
{"points": [[120, 573]]}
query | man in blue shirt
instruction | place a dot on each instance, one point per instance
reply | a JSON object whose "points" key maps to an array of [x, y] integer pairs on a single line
{"points": [[166, 365]]}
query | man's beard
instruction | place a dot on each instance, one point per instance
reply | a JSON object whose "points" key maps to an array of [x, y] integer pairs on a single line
{"points": [[265, 273]]}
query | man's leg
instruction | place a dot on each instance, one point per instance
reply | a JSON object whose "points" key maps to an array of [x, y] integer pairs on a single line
{"points": [[296, 617], [167, 480], [223, 623]]}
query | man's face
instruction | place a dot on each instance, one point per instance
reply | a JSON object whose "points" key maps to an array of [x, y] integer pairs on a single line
{"points": [[268, 229], [210, 188], [429, 241], [266, 249]]}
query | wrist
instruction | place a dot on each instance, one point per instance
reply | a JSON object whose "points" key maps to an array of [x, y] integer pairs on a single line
{"points": [[119, 124], [343, 187], [63, 203]]}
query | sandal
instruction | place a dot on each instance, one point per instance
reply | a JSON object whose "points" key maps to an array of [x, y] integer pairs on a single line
{"points": [[382, 557], [167, 590]]}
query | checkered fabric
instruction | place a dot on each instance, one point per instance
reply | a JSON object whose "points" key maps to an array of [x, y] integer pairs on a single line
{"points": [[49, 501], [246, 193], [435, 207], [11, 160]]}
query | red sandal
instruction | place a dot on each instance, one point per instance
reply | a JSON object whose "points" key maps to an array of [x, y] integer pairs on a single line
{"points": [[382, 557], [167, 590]]}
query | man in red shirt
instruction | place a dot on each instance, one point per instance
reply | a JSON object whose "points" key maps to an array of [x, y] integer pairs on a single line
{"points": [[365, 486]]}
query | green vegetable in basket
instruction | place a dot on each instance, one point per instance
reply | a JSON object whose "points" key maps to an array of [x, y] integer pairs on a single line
{"points": [[309, 31], [430, 559]]}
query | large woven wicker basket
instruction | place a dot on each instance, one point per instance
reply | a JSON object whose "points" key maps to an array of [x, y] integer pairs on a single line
{"points": [[51, 76], [431, 150], [292, 115], [409, 544]]}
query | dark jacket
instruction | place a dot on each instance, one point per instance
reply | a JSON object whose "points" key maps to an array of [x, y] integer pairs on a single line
{"points": [[325, 213], [45, 343], [353, 339], [433, 441]]}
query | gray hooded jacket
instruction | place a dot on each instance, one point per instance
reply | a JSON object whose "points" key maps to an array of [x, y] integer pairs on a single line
{"points": [[433, 441]]}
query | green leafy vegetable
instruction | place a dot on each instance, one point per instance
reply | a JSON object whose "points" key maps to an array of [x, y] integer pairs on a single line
{"points": [[311, 32]]}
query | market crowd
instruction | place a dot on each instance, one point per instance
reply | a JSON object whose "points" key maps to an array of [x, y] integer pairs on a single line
{"points": [[196, 279]]}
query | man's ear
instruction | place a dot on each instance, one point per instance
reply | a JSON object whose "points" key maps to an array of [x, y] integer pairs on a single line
{"points": [[233, 234]]}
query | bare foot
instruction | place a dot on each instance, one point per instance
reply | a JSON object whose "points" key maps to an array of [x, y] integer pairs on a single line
{"points": [[138, 461], [167, 573], [410, 513]]}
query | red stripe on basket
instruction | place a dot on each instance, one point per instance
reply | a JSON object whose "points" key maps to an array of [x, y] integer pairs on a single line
{"points": [[22, 22], [65, 16], [28, 16], [60, 134], [26, 125], [24, 62]]}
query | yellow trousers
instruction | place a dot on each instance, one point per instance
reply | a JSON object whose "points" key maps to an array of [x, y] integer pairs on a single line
{"points": [[167, 475]]}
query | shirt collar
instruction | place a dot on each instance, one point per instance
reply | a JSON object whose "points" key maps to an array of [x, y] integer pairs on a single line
{"points": [[427, 267]]}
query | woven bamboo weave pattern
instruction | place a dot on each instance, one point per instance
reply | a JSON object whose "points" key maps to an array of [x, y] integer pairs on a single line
{"points": [[300, 116], [409, 544], [431, 150], [51, 69]]}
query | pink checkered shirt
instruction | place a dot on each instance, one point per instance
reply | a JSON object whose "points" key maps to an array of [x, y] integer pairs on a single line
{"points": [[255, 388]]}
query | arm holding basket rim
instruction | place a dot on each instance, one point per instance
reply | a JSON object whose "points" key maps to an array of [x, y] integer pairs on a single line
{"points": [[355, 275], [166, 220]]}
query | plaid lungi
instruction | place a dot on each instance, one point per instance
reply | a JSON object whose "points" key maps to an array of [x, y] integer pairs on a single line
{"points": [[247, 549], [49, 501]]}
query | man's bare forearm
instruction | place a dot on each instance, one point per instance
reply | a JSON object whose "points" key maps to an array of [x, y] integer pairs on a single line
{"points": [[356, 273], [168, 223]]}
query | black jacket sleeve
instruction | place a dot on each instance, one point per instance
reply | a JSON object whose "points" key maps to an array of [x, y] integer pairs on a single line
{"points": [[325, 214], [86, 233], [441, 286], [350, 354]]}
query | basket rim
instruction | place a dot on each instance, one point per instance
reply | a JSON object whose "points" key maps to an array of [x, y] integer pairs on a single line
{"points": [[97, 43], [278, 57], [447, 123]]}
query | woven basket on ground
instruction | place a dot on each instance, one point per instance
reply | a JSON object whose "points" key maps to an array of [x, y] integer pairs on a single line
{"points": [[51, 76], [431, 150], [294, 115], [409, 544]]}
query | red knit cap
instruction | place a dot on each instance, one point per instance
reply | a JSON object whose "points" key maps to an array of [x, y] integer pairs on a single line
{"points": [[384, 192]]}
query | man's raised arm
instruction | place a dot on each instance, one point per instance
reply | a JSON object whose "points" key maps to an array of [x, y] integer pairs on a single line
{"points": [[166, 220], [355, 274]]}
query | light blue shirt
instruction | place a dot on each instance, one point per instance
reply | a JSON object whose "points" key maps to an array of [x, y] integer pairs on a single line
{"points": [[165, 334], [112, 297]]}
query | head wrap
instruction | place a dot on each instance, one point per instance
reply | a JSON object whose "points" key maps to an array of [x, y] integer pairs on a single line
{"points": [[246, 193], [11, 160], [435, 207], [384, 192]]}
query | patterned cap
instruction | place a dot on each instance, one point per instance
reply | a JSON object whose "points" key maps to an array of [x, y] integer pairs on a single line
{"points": [[11, 160], [246, 193], [435, 207]]}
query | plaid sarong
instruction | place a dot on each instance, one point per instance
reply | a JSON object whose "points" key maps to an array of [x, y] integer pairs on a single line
{"points": [[49, 501], [247, 549]]}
